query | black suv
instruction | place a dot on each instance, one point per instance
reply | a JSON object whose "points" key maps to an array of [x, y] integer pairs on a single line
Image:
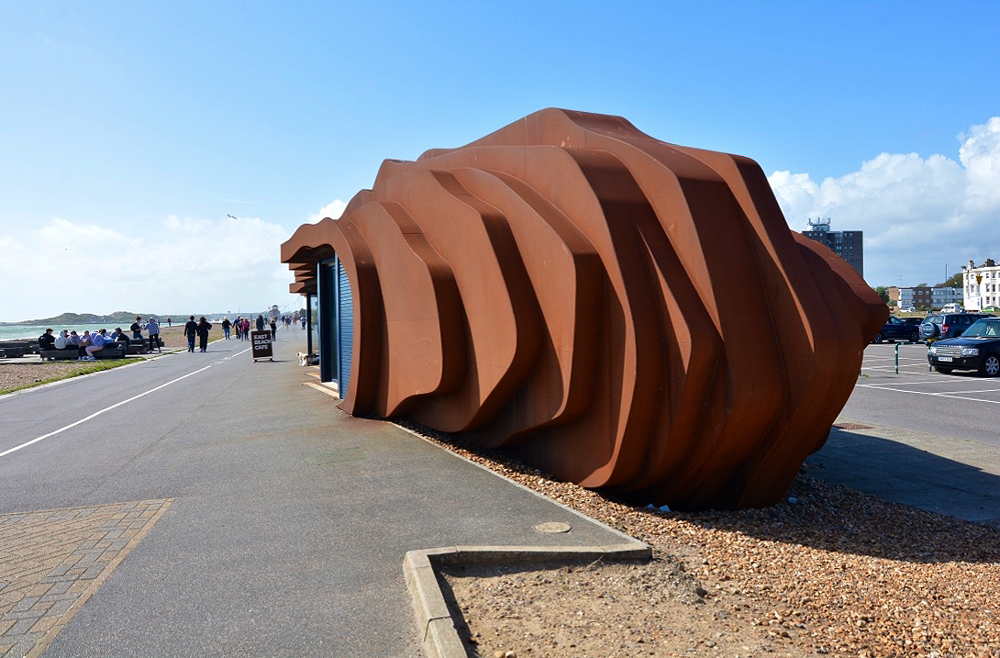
{"points": [[977, 349], [896, 329], [947, 325]]}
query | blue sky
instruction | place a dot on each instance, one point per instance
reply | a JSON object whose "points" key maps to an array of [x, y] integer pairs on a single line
{"points": [[129, 131]]}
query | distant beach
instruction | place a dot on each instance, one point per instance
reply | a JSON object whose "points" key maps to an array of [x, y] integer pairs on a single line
{"points": [[33, 331]]}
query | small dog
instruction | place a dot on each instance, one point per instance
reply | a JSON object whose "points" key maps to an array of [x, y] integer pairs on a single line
{"points": [[303, 359]]}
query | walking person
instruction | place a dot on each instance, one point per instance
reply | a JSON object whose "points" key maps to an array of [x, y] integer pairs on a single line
{"points": [[191, 330], [246, 328], [260, 322], [274, 329], [153, 327], [226, 324], [203, 328]]}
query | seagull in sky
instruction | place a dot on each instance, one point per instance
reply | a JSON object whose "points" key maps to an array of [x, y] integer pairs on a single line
{"points": [[230, 216]]}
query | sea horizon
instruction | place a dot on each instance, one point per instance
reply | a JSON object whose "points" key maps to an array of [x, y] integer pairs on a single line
{"points": [[31, 331]]}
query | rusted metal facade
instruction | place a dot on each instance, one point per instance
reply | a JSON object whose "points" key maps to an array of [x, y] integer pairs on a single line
{"points": [[618, 311]]}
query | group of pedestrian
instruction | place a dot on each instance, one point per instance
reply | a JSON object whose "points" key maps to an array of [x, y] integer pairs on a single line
{"points": [[88, 344], [240, 325], [84, 345], [197, 330], [152, 327]]}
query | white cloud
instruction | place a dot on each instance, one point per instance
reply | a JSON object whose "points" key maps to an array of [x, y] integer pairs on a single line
{"points": [[980, 155], [921, 217], [332, 210], [178, 265]]}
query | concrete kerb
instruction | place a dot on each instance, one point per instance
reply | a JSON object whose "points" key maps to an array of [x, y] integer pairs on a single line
{"points": [[435, 621]]}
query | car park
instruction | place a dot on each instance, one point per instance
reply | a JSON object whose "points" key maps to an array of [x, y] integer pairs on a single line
{"points": [[977, 349], [896, 329], [938, 326]]}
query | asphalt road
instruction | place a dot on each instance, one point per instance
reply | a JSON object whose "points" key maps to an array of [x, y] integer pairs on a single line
{"points": [[288, 519], [248, 561], [961, 405]]}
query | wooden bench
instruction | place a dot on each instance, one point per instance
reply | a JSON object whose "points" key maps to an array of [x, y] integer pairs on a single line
{"points": [[138, 346], [142, 346], [59, 355], [18, 348], [110, 351]]}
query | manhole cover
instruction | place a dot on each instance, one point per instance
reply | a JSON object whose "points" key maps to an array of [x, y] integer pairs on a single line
{"points": [[553, 527]]}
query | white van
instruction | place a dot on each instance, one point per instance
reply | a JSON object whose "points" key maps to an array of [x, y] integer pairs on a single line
{"points": [[952, 308]]}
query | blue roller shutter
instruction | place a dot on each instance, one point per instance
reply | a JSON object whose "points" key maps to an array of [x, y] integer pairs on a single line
{"points": [[345, 327]]}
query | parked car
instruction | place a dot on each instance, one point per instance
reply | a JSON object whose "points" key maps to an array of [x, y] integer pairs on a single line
{"points": [[896, 329], [976, 349], [937, 326]]}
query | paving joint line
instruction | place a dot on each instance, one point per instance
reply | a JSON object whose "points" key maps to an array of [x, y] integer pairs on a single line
{"points": [[45, 592]]}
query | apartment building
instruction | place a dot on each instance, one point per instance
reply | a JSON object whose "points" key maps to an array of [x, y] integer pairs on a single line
{"points": [[924, 298], [846, 244]]}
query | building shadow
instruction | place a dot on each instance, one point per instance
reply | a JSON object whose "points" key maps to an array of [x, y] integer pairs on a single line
{"points": [[872, 496]]}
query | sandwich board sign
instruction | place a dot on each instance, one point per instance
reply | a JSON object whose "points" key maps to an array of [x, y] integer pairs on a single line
{"points": [[260, 345]]}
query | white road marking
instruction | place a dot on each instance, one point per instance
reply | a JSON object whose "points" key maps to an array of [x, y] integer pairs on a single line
{"points": [[953, 396], [98, 413], [233, 356], [917, 383]]}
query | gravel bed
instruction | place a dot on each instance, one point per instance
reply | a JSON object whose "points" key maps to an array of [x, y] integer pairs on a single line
{"points": [[827, 572], [26, 373]]}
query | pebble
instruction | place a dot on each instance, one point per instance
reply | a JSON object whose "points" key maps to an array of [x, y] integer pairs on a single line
{"points": [[839, 572]]}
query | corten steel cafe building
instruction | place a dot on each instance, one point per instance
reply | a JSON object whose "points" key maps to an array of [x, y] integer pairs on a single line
{"points": [[614, 310]]}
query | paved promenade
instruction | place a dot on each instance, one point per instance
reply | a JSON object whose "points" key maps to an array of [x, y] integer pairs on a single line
{"points": [[207, 505]]}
